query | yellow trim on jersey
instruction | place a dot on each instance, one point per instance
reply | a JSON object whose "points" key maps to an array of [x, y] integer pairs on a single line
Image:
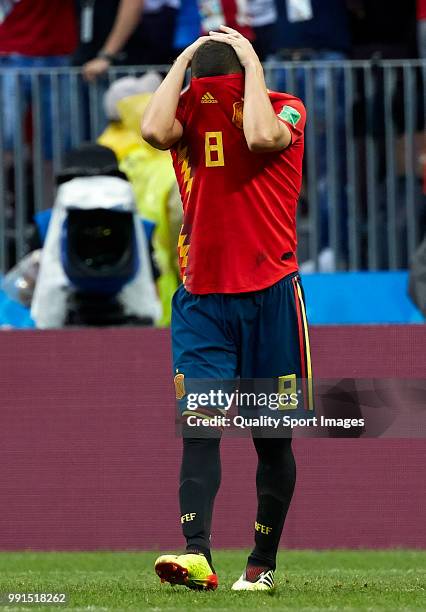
{"points": [[183, 159], [183, 250]]}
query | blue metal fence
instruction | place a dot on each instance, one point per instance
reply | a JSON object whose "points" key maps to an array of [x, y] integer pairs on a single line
{"points": [[362, 196]]}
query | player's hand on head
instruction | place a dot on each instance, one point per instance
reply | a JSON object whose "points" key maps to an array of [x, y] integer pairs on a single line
{"points": [[242, 46], [188, 53]]}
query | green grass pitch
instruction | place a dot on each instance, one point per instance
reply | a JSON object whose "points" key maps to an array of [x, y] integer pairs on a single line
{"points": [[307, 581]]}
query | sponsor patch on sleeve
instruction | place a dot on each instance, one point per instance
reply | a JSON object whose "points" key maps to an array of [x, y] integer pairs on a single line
{"points": [[290, 114]]}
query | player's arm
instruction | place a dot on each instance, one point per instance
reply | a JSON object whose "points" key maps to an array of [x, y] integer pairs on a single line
{"points": [[263, 130], [160, 128]]}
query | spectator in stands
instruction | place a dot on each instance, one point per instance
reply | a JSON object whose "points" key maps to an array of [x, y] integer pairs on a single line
{"points": [[421, 41], [313, 29], [421, 27], [188, 25], [263, 17], [198, 17], [310, 30], [40, 34], [380, 30], [125, 32], [232, 13]]}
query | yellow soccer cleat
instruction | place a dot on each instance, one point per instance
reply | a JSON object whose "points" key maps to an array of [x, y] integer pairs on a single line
{"points": [[264, 582], [191, 570]]}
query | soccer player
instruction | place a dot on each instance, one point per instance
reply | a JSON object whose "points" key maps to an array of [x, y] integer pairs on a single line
{"points": [[237, 150]]}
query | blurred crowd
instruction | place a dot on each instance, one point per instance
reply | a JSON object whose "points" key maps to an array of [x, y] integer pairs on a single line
{"points": [[96, 35]]}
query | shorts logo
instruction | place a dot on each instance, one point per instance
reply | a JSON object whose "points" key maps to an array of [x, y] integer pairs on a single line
{"points": [[237, 118], [207, 98], [180, 386], [290, 114]]}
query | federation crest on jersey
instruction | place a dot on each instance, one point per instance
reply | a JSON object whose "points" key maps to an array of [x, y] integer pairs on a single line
{"points": [[290, 114], [179, 381], [237, 118]]}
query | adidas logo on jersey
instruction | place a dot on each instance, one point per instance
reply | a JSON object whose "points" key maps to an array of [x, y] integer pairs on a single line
{"points": [[207, 98]]}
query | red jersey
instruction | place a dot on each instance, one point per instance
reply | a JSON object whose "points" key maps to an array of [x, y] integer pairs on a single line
{"points": [[39, 28], [239, 227]]}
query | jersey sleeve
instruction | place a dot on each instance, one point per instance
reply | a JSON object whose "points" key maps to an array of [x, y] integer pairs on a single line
{"points": [[293, 114]]}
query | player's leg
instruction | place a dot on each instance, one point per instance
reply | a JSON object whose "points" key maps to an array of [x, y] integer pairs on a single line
{"points": [[201, 351], [280, 346], [275, 482], [199, 483]]}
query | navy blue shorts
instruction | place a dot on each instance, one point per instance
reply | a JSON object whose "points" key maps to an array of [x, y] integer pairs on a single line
{"points": [[257, 335]]}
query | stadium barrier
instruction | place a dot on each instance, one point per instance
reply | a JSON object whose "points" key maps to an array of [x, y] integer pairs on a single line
{"points": [[89, 456], [331, 299], [363, 191]]}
